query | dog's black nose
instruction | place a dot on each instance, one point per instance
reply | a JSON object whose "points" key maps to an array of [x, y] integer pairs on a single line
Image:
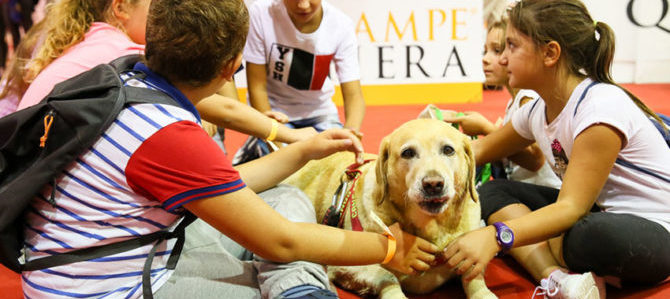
{"points": [[432, 186]]}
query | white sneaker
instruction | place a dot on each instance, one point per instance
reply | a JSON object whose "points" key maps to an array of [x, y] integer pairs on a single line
{"points": [[571, 286]]}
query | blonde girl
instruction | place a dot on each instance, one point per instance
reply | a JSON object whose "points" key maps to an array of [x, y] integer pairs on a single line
{"points": [[81, 34], [473, 123]]}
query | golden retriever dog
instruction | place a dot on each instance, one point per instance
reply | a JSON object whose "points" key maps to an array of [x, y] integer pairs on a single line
{"points": [[422, 178]]}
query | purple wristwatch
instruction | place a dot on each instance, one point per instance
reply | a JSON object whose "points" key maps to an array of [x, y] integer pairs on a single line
{"points": [[504, 236]]}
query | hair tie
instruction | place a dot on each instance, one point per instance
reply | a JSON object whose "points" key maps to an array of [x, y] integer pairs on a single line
{"points": [[595, 23]]}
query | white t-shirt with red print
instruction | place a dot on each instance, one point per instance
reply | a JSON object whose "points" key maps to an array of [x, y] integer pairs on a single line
{"points": [[298, 63], [626, 190]]}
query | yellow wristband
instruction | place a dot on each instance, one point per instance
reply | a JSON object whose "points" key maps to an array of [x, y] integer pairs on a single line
{"points": [[273, 131], [390, 250]]}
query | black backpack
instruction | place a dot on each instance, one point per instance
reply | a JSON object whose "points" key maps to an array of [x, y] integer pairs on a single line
{"points": [[37, 143]]}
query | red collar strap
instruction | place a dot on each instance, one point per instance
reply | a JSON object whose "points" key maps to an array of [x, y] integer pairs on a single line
{"points": [[353, 173]]}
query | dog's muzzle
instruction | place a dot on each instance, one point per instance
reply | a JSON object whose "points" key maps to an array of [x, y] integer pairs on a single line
{"points": [[432, 186], [433, 191]]}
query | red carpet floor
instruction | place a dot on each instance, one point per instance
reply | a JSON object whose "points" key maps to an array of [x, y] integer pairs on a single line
{"points": [[503, 276], [508, 280]]}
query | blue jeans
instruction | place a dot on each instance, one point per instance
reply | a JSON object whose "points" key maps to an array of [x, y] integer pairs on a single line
{"points": [[319, 123]]}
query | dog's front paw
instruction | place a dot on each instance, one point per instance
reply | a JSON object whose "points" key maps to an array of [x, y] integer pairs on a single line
{"points": [[392, 292], [477, 289]]}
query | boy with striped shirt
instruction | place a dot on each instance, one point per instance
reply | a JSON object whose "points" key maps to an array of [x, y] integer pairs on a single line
{"points": [[155, 161]]}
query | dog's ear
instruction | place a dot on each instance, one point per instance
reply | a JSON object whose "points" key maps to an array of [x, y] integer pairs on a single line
{"points": [[472, 169], [381, 171]]}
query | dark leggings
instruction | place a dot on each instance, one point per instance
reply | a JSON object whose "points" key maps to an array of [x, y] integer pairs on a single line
{"points": [[632, 248]]}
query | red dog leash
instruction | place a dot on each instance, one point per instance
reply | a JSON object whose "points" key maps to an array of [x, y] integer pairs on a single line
{"points": [[334, 213]]}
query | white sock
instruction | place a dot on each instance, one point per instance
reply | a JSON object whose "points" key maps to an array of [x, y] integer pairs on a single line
{"points": [[558, 274]]}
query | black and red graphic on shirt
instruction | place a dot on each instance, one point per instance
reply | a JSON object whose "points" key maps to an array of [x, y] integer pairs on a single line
{"points": [[298, 68], [560, 158]]}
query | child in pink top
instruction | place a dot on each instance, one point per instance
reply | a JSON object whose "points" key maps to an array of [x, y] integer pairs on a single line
{"points": [[102, 43]]}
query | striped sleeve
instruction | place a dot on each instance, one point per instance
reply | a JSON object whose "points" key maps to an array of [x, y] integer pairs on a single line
{"points": [[181, 163]]}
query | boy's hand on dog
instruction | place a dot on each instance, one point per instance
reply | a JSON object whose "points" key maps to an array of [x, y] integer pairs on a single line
{"points": [[413, 255], [278, 116], [331, 141], [470, 253], [355, 132], [300, 134]]}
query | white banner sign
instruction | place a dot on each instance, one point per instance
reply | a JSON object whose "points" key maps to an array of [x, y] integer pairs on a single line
{"points": [[409, 42], [642, 29], [411, 52]]}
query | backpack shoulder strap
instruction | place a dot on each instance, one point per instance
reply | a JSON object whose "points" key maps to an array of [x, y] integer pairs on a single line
{"points": [[664, 118], [156, 238], [125, 63], [665, 131], [139, 95], [179, 233]]}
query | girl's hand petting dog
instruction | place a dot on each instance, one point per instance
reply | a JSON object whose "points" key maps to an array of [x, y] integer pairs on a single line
{"points": [[471, 123], [470, 253], [356, 132], [276, 115], [413, 255], [296, 135]]}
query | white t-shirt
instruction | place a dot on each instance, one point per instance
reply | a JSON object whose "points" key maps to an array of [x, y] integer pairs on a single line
{"points": [[544, 176], [298, 63], [626, 190]]}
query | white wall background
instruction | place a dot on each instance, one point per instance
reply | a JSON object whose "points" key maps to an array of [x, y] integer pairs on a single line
{"points": [[642, 53]]}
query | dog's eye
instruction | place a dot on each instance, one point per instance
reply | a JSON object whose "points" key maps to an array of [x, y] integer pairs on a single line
{"points": [[408, 153], [448, 150]]}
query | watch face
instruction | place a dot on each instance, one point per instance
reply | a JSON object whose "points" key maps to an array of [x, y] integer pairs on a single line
{"points": [[506, 236]]}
